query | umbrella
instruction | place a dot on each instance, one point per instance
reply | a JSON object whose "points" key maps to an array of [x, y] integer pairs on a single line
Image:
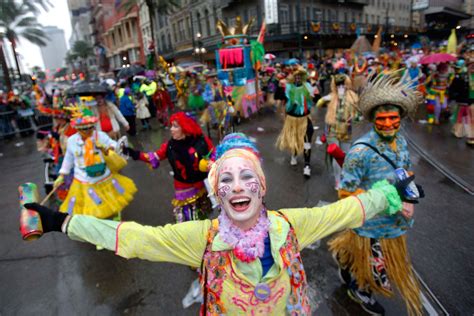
{"points": [[416, 45], [133, 70], [437, 58], [269, 56], [361, 45], [176, 69], [110, 82], [292, 61], [87, 88]]}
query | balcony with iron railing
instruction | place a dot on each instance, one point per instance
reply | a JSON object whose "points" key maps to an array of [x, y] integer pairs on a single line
{"points": [[290, 31]]}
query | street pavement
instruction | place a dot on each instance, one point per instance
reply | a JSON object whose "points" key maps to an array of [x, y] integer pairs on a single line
{"points": [[57, 276]]}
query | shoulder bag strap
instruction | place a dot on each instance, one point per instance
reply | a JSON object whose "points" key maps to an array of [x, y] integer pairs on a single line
{"points": [[379, 153]]}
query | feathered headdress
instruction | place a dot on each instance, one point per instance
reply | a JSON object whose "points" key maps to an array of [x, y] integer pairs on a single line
{"points": [[387, 89]]}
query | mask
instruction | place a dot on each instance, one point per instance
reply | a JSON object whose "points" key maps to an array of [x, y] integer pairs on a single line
{"points": [[387, 124], [240, 192]]}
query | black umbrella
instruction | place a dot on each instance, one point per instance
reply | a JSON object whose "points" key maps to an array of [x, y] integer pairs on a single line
{"points": [[128, 72], [87, 88]]}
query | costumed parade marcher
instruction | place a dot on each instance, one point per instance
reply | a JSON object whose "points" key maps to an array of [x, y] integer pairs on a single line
{"points": [[218, 113], [249, 256], [187, 152], [95, 190], [163, 102], [437, 85], [53, 144], [195, 99], [339, 116], [374, 258], [463, 112], [298, 129]]}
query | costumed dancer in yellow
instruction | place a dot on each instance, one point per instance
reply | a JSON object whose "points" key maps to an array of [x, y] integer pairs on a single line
{"points": [[374, 258], [249, 256], [95, 190]]}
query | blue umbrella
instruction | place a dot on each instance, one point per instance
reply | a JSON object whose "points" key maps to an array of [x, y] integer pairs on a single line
{"points": [[292, 61], [416, 46]]}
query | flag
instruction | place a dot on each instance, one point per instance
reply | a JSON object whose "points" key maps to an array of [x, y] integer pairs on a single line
{"points": [[261, 34], [452, 43]]}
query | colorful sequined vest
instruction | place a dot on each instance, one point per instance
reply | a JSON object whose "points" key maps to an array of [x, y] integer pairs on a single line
{"points": [[214, 272]]}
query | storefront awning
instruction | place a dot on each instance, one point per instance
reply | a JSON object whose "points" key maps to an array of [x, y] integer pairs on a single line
{"points": [[446, 11]]}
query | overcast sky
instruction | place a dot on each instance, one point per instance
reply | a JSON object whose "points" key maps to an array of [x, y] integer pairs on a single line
{"points": [[56, 16]]}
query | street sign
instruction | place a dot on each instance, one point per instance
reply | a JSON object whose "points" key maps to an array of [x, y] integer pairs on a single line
{"points": [[271, 11], [420, 5]]}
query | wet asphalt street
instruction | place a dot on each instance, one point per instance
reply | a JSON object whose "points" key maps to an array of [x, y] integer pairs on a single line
{"points": [[57, 276]]}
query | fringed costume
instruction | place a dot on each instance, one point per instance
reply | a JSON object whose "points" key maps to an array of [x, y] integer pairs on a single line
{"points": [[340, 113], [297, 131]]}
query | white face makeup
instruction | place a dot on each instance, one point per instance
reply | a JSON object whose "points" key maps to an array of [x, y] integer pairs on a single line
{"points": [[240, 191]]}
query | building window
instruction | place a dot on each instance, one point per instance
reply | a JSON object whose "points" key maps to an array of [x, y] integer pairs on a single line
{"points": [[120, 34], [127, 27], [198, 18], [175, 33], [181, 30], [208, 22], [188, 28], [284, 16]]}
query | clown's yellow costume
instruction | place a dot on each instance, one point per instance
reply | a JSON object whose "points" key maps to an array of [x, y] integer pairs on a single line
{"points": [[234, 279]]}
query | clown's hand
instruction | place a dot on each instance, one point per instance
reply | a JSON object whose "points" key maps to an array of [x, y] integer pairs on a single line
{"points": [[59, 180], [135, 154], [52, 221], [204, 165]]}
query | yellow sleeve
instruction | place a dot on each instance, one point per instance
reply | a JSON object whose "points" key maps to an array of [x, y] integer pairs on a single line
{"points": [[182, 243], [312, 224], [315, 223]]}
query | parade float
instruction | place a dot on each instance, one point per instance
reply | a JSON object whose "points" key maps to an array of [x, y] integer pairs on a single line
{"points": [[236, 61]]}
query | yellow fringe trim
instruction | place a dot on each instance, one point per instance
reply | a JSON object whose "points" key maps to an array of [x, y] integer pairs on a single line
{"points": [[112, 201], [354, 252], [179, 203], [293, 134]]}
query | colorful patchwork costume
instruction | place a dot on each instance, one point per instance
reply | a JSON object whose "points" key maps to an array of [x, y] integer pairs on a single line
{"points": [[95, 190]]}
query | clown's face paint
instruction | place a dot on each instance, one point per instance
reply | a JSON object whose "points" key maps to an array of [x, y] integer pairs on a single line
{"points": [[240, 192], [387, 123], [176, 131]]}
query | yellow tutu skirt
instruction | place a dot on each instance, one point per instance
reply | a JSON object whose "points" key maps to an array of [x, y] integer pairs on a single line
{"points": [[103, 199]]}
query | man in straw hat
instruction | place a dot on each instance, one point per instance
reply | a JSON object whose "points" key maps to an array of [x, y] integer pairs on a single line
{"points": [[374, 257]]}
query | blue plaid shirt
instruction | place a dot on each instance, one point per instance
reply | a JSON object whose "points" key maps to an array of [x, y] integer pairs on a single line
{"points": [[363, 167]]}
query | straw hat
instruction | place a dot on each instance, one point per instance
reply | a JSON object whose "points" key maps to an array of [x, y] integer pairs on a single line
{"points": [[388, 90]]}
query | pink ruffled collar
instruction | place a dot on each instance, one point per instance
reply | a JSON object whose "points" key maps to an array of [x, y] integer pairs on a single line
{"points": [[247, 245]]}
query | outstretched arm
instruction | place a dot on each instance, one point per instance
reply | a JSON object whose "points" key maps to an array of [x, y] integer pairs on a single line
{"points": [[179, 243], [312, 224]]}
